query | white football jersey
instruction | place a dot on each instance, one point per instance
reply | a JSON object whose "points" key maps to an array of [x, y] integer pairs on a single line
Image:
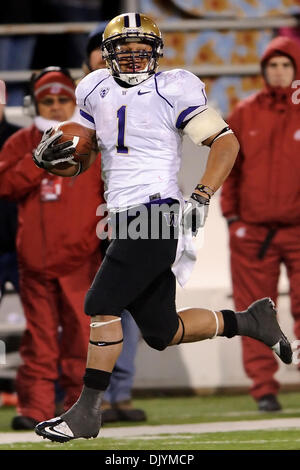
{"points": [[139, 131]]}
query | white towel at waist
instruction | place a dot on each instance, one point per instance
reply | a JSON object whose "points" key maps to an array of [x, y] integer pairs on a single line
{"points": [[186, 254]]}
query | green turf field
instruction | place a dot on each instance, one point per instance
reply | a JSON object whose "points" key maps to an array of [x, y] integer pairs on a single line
{"points": [[183, 411], [241, 440]]}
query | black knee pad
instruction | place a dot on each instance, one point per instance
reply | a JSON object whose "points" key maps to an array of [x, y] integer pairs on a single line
{"points": [[157, 335], [95, 304], [90, 304], [156, 343]]}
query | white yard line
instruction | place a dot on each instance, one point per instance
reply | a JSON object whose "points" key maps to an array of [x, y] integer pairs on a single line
{"points": [[139, 431]]}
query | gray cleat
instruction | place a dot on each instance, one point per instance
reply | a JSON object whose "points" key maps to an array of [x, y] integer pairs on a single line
{"points": [[55, 429], [82, 420], [259, 322]]}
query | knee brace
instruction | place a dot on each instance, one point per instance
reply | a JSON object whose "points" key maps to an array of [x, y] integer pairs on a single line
{"points": [[97, 324], [183, 330]]}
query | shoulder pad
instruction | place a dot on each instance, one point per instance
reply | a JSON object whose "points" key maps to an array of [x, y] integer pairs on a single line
{"points": [[89, 83], [174, 83]]}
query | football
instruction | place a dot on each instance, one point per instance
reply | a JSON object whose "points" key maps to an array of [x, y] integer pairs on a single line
{"points": [[81, 140]]}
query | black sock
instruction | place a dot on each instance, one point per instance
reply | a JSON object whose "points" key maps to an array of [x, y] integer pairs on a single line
{"points": [[96, 379], [230, 323]]}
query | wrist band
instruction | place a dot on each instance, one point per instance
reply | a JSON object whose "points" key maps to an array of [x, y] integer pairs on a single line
{"points": [[200, 199], [217, 325], [205, 189]]}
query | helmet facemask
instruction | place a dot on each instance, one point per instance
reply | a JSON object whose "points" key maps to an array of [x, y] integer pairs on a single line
{"points": [[132, 63]]}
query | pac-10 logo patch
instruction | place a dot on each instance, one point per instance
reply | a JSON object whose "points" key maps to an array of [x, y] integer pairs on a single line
{"points": [[103, 92]]}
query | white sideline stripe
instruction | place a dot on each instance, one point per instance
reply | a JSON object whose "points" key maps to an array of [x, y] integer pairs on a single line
{"points": [[139, 431]]}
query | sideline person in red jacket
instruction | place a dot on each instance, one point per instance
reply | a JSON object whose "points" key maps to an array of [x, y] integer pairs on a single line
{"points": [[261, 202], [58, 254]]}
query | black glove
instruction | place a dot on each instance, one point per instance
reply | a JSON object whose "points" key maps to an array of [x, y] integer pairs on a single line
{"points": [[47, 155], [195, 212]]}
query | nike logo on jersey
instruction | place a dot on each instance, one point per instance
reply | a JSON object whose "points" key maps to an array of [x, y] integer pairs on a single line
{"points": [[143, 92]]}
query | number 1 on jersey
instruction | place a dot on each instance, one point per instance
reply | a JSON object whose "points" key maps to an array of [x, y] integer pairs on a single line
{"points": [[121, 115]]}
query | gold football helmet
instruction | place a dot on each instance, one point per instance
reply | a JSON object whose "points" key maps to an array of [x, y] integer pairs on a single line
{"points": [[132, 45]]}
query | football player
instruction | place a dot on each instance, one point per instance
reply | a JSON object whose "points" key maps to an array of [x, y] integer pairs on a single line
{"points": [[139, 116]]}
